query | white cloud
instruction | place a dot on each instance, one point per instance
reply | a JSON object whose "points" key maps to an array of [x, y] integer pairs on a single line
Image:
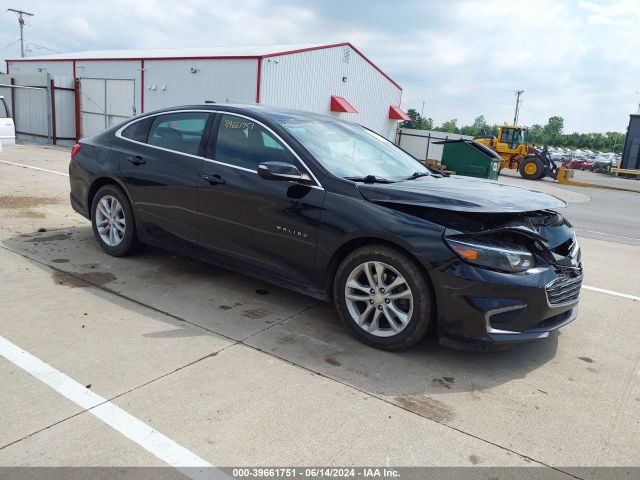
{"points": [[464, 58]]}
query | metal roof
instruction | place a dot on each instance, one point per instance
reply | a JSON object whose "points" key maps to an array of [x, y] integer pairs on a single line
{"points": [[230, 52], [197, 52]]}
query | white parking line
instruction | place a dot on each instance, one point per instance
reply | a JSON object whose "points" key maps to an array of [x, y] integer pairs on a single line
{"points": [[611, 292], [606, 234], [134, 429], [34, 168]]}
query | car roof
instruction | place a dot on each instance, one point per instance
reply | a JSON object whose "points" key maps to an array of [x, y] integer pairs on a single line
{"points": [[269, 112]]}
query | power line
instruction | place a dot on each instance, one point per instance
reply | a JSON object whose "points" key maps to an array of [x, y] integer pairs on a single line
{"points": [[455, 84], [21, 14], [14, 40], [40, 47]]}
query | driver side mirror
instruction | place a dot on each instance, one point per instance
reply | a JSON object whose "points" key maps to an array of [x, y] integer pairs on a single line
{"points": [[282, 171]]}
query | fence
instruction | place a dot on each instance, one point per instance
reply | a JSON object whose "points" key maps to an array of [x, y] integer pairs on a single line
{"points": [[422, 144], [43, 107]]}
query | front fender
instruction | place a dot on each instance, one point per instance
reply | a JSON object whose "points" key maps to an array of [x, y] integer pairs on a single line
{"points": [[350, 222]]}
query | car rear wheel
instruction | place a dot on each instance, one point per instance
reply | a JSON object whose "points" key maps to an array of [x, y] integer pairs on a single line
{"points": [[384, 299], [113, 223]]}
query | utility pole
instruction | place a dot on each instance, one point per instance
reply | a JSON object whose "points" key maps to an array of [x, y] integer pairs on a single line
{"points": [[515, 116], [21, 22]]}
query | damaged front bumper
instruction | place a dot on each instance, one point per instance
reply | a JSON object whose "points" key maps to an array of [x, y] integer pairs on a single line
{"points": [[481, 305]]}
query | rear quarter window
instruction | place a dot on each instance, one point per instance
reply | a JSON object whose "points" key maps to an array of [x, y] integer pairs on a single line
{"points": [[137, 131]]}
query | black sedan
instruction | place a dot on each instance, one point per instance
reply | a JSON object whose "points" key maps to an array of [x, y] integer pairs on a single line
{"points": [[333, 210]]}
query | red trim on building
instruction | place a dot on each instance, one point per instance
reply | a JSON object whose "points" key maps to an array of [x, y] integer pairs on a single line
{"points": [[308, 49], [135, 59], [76, 84], [395, 113], [213, 57], [74, 69], [343, 44], [374, 66], [142, 85], [258, 80], [54, 133], [339, 104]]}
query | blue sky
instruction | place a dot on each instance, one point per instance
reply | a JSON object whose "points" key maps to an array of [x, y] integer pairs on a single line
{"points": [[463, 58]]}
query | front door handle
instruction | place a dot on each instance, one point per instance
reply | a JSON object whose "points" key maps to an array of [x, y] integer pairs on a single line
{"points": [[137, 160], [213, 179]]}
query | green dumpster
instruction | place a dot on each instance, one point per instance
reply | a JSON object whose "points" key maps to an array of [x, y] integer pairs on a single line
{"points": [[466, 157]]}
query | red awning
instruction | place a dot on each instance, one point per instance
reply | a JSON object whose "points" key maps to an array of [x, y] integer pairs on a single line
{"points": [[339, 104], [396, 114]]}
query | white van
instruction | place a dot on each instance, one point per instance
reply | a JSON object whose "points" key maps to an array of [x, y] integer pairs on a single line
{"points": [[7, 127]]}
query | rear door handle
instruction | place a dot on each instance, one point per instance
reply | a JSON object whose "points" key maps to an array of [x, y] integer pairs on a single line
{"points": [[213, 179], [137, 160]]}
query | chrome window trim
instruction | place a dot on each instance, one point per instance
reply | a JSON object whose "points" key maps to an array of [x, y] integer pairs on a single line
{"points": [[118, 134]]}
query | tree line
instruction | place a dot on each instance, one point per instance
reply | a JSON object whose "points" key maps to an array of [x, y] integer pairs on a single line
{"points": [[550, 134]]}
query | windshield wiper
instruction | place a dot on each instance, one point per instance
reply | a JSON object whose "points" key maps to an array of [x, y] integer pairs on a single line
{"points": [[415, 175], [369, 179]]}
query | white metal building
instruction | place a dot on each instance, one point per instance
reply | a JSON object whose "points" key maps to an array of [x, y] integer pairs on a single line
{"points": [[425, 144], [332, 79]]}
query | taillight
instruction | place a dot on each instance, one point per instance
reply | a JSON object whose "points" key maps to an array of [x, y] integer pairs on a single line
{"points": [[75, 150]]}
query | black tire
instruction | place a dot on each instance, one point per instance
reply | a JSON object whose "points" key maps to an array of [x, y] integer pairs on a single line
{"points": [[418, 324], [129, 243], [529, 163]]}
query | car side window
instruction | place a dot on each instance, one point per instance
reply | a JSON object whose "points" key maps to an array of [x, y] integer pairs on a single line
{"points": [[181, 131], [138, 131], [244, 143]]}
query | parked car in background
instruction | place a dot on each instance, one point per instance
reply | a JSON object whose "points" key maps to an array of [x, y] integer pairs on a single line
{"points": [[604, 162], [332, 209], [602, 166], [7, 127], [578, 164]]}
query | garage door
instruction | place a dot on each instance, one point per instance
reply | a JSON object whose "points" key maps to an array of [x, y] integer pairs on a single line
{"points": [[104, 102]]}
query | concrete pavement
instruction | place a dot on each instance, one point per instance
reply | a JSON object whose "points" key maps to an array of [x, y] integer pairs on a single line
{"points": [[240, 378]]}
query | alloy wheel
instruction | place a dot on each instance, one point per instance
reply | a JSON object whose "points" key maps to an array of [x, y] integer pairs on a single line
{"points": [[110, 221], [379, 299]]}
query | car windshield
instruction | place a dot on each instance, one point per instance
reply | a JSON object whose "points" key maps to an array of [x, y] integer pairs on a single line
{"points": [[350, 151]]}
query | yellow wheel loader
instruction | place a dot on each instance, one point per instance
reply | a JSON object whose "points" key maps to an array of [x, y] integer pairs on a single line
{"points": [[532, 163]]}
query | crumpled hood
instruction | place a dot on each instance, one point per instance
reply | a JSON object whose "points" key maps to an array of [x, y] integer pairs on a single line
{"points": [[463, 194]]}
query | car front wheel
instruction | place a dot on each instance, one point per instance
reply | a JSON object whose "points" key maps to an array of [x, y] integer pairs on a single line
{"points": [[383, 298], [113, 223]]}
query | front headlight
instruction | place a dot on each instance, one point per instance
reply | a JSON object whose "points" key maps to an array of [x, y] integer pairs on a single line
{"points": [[493, 254]]}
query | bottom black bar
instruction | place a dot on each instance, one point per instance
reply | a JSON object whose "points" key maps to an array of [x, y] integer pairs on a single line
{"points": [[324, 473]]}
